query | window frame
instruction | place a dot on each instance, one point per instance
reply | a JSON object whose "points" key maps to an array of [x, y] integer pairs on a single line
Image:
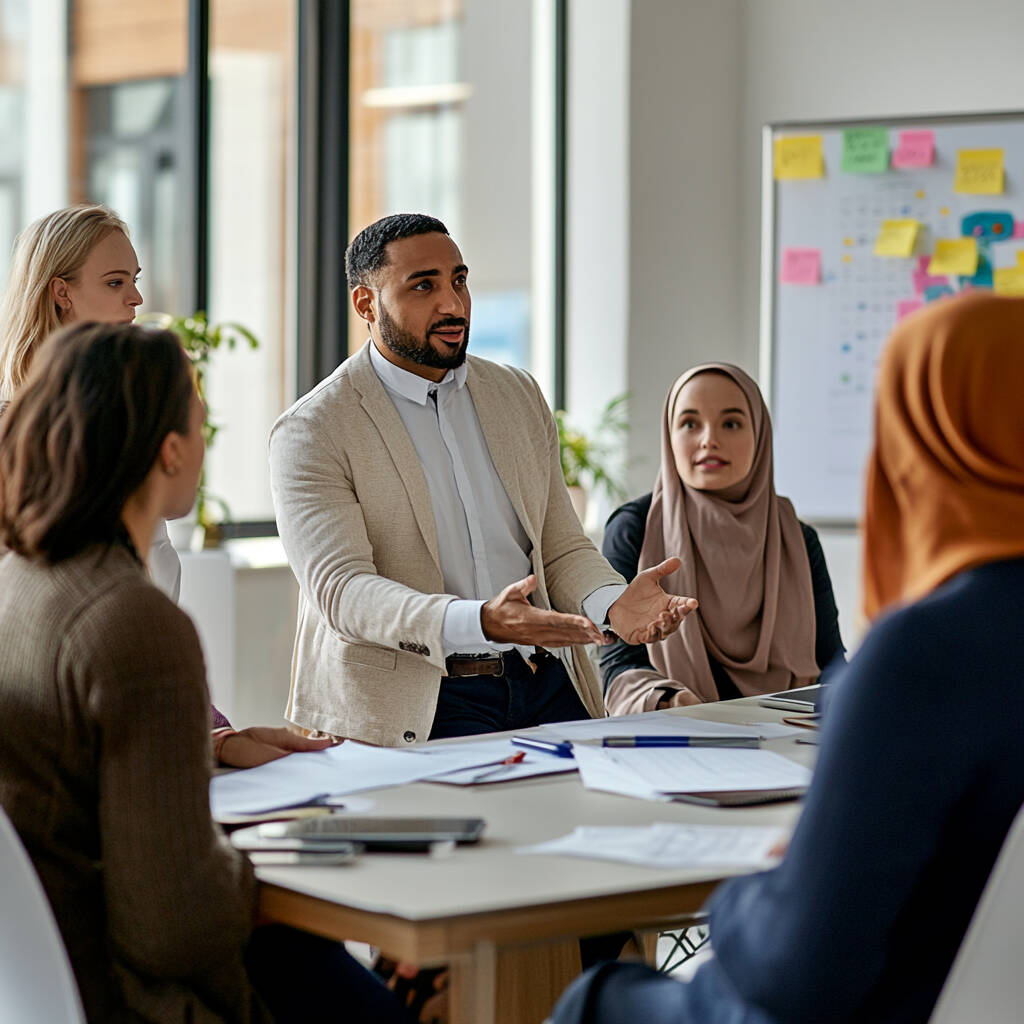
{"points": [[322, 206]]}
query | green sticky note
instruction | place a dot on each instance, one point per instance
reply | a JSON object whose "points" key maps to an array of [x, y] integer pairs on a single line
{"points": [[865, 150]]}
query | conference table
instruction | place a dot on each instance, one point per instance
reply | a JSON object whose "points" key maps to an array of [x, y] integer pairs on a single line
{"points": [[508, 923]]}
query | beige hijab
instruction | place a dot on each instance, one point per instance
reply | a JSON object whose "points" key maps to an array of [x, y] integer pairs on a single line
{"points": [[745, 561]]}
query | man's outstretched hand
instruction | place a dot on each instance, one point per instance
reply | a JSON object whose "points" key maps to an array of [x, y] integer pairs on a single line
{"points": [[645, 613], [509, 618]]}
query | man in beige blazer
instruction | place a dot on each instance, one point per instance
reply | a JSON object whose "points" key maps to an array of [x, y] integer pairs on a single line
{"points": [[446, 586]]}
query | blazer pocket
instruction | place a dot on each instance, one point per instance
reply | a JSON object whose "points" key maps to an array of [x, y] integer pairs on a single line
{"points": [[366, 654]]}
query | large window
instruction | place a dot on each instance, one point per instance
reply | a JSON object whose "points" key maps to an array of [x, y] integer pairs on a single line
{"points": [[440, 106], [442, 123], [251, 189]]}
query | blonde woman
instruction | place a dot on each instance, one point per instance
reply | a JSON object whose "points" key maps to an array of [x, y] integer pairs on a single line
{"points": [[71, 266]]}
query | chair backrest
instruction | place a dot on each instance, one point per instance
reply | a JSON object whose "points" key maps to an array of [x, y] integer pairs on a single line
{"points": [[36, 980], [986, 982]]}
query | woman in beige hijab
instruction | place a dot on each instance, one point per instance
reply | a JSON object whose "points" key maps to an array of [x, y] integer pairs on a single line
{"points": [[767, 620]]}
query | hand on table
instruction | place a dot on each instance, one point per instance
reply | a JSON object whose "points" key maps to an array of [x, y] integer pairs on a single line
{"points": [[682, 698], [259, 744], [645, 613], [509, 618]]}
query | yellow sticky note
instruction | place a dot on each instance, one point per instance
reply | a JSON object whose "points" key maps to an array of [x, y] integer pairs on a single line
{"points": [[1008, 280], [897, 238], [954, 256], [979, 172], [1020, 257], [799, 156]]}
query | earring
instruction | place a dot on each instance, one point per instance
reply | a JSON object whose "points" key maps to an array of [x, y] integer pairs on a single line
{"points": [[171, 471]]}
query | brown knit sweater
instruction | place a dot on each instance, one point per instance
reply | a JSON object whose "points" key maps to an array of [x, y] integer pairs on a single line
{"points": [[104, 771]]}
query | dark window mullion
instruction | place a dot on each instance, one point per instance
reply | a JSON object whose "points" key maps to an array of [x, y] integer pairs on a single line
{"points": [[561, 139], [324, 183], [196, 176]]}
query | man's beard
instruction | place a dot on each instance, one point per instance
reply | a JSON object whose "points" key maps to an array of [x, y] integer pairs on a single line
{"points": [[407, 345]]}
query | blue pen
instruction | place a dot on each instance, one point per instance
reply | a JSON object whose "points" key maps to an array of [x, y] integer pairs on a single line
{"points": [[563, 749], [680, 741]]}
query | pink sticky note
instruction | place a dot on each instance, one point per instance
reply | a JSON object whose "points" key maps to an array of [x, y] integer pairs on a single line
{"points": [[801, 266], [907, 306], [915, 149], [1018, 229], [922, 279]]}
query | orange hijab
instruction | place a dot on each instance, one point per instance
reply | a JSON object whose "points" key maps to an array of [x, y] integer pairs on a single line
{"points": [[945, 481]]}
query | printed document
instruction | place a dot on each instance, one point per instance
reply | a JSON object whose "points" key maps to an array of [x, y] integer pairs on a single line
{"points": [[665, 845], [655, 773]]}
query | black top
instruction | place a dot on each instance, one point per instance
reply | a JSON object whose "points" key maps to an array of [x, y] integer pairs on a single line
{"points": [[623, 539]]}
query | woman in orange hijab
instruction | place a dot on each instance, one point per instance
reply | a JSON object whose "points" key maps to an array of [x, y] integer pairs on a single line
{"points": [[921, 771]]}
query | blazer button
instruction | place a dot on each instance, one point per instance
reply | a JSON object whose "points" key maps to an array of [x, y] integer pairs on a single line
{"points": [[409, 736]]}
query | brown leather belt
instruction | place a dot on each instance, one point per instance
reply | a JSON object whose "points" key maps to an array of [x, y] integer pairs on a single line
{"points": [[475, 664]]}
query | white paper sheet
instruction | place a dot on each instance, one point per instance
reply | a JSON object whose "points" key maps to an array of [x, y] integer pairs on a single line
{"points": [[605, 773], [653, 772], [669, 845], [661, 724], [347, 768]]}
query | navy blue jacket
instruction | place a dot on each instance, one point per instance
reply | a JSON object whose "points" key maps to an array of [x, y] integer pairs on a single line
{"points": [[920, 775]]}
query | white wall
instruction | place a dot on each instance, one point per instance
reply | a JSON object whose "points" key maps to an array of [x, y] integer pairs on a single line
{"points": [[830, 59], [700, 78], [684, 144]]}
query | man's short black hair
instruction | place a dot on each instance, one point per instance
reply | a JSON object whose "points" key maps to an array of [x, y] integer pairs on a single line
{"points": [[366, 254]]}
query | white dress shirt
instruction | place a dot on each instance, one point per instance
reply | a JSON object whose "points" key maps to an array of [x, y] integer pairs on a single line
{"points": [[481, 543]]}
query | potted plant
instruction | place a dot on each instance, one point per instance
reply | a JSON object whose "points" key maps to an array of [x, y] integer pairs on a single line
{"points": [[201, 339], [586, 461]]}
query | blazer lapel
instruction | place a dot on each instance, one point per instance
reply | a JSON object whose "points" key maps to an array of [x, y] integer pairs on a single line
{"points": [[379, 407]]}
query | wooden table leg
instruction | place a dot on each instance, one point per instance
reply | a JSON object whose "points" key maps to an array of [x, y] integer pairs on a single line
{"points": [[649, 947], [511, 985], [471, 994]]}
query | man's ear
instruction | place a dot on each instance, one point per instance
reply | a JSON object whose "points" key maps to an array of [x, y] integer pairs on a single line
{"points": [[364, 302], [59, 293]]}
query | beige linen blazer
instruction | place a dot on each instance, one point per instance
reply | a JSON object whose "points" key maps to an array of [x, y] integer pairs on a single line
{"points": [[357, 523]]}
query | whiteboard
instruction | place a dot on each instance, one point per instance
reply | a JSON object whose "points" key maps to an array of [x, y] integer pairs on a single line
{"points": [[820, 342]]}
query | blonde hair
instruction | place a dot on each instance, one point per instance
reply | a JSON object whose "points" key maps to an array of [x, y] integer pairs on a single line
{"points": [[54, 246]]}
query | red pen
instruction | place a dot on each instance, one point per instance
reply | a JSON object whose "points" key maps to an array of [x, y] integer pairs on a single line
{"points": [[511, 759]]}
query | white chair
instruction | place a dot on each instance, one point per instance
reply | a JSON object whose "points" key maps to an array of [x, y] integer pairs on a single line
{"points": [[36, 980], [986, 981]]}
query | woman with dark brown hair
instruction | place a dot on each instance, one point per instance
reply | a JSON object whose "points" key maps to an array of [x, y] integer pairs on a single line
{"points": [[105, 746]]}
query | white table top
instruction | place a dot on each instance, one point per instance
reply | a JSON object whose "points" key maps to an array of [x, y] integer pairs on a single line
{"points": [[491, 876]]}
